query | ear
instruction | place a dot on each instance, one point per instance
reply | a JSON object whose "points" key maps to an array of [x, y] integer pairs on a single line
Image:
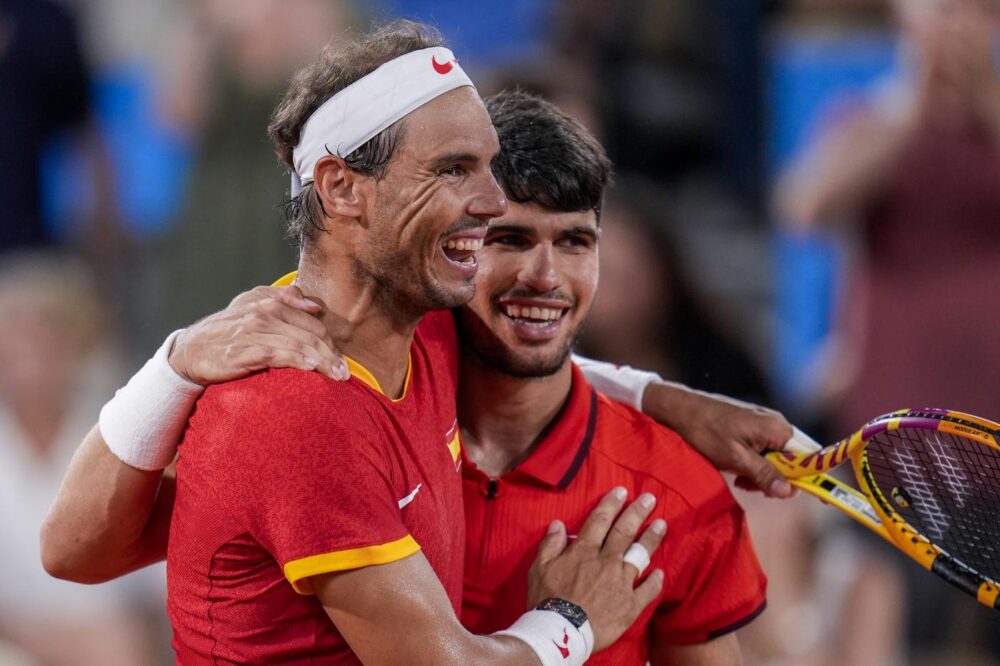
{"points": [[342, 191]]}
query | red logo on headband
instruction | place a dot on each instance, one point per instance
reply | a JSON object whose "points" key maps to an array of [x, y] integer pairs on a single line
{"points": [[441, 68]]}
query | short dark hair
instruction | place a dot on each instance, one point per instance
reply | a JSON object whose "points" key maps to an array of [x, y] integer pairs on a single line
{"points": [[340, 65], [546, 157]]}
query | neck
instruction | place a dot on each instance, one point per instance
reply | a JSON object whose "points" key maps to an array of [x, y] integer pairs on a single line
{"points": [[503, 417], [364, 321]]}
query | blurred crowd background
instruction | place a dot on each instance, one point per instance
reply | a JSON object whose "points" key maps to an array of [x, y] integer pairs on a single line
{"points": [[806, 215]]}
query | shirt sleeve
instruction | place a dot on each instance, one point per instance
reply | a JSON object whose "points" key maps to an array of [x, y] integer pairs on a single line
{"points": [[314, 481], [724, 587]]}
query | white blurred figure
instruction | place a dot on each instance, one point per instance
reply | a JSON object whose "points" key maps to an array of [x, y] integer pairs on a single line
{"points": [[53, 379]]}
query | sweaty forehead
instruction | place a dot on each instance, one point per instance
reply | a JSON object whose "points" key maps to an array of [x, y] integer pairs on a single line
{"points": [[455, 122]]}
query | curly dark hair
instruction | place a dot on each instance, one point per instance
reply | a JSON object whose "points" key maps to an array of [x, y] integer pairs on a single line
{"points": [[341, 64], [546, 157]]}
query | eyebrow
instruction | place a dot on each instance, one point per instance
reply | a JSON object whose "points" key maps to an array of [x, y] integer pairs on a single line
{"points": [[451, 158], [509, 229], [581, 231], [530, 231]]}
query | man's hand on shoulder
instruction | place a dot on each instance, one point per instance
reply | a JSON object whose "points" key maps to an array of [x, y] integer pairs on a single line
{"points": [[266, 327], [730, 433]]}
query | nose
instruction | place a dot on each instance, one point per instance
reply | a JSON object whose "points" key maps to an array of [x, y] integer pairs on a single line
{"points": [[539, 270], [489, 201]]}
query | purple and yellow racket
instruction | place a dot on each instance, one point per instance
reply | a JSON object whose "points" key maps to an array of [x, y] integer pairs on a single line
{"points": [[930, 486]]}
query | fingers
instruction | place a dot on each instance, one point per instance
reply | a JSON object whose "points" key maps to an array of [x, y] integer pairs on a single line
{"points": [[284, 311], [760, 473], [307, 332], [276, 309], [653, 535], [650, 588], [289, 295], [647, 544], [553, 544], [289, 348], [746, 484], [624, 529], [293, 297], [596, 527], [769, 431]]}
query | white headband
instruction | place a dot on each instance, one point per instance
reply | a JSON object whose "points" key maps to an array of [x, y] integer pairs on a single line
{"points": [[369, 105]]}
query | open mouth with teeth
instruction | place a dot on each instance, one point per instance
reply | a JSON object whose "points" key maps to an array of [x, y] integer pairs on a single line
{"points": [[533, 315], [462, 251]]}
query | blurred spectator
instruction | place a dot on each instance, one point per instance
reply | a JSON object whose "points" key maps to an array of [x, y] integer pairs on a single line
{"points": [[45, 94], [55, 371], [915, 172], [833, 596], [678, 79], [648, 316], [234, 59]]}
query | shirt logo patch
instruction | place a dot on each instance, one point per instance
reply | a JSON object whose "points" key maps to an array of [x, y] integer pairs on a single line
{"points": [[409, 498]]}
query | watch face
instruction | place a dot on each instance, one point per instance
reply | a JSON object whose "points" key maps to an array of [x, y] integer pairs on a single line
{"points": [[576, 615]]}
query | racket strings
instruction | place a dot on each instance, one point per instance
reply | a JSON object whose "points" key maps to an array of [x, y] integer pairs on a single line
{"points": [[947, 487]]}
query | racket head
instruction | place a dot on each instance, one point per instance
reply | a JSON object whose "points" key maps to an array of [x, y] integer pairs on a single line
{"points": [[933, 476]]}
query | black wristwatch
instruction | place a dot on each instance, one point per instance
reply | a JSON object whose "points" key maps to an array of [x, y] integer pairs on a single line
{"points": [[576, 615]]}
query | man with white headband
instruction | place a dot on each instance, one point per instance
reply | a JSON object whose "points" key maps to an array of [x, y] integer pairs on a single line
{"points": [[318, 521]]}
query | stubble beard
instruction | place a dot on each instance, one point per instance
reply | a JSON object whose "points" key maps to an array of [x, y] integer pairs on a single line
{"points": [[475, 336]]}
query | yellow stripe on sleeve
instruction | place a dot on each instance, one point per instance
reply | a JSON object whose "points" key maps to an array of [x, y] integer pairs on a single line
{"points": [[298, 571]]}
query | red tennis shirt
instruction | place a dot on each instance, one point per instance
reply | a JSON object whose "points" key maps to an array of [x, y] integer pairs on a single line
{"points": [[713, 582], [287, 474]]}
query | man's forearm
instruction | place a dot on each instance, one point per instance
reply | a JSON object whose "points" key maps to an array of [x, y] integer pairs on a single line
{"points": [[108, 518], [668, 403], [729, 432], [369, 606]]}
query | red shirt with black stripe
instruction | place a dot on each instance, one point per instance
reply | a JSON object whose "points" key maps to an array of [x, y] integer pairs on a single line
{"points": [[287, 474], [713, 583]]}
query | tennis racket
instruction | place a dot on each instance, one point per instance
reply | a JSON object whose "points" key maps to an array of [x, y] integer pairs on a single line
{"points": [[930, 486]]}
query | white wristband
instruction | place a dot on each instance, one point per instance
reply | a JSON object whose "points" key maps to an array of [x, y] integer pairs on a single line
{"points": [[621, 383], [142, 424], [553, 638]]}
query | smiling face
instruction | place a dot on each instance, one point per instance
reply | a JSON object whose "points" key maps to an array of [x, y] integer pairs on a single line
{"points": [[428, 215], [537, 278]]}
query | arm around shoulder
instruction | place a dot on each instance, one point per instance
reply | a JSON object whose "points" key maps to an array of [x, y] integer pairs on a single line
{"points": [[108, 518]]}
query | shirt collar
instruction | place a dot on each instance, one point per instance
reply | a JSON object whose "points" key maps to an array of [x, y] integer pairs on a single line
{"points": [[558, 457]]}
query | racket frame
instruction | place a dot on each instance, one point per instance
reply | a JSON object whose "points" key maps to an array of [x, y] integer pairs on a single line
{"points": [[807, 470]]}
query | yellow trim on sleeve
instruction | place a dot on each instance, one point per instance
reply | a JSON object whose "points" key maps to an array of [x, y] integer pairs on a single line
{"points": [[298, 571]]}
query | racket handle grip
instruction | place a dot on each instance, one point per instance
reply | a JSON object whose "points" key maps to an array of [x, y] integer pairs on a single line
{"points": [[800, 442]]}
